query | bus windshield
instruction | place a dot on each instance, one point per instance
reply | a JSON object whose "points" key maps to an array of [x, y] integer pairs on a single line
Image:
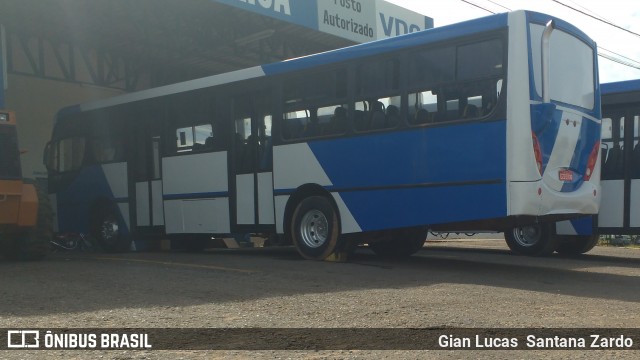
{"points": [[571, 68]]}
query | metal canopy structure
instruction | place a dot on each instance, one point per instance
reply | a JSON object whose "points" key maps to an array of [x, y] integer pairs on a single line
{"points": [[132, 45]]}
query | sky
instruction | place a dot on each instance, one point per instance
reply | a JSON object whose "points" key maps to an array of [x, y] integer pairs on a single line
{"points": [[623, 13]]}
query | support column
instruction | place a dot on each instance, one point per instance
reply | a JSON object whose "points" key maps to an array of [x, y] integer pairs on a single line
{"points": [[3, 67]]}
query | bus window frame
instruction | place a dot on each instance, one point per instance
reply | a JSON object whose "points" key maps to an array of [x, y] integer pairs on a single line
{"points": [[208, 110], [286, 106], [441, 89]]}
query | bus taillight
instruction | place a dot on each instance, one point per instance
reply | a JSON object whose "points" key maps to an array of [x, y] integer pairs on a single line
{"points": [[591, 163], [537, 151]]}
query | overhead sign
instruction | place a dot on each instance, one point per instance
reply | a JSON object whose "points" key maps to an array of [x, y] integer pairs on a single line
{"points": [[356, 20]]}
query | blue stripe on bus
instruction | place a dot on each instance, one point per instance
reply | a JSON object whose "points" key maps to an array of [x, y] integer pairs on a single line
{"points": [[461, 152], [202, 195], [375, 210], [545, 123], [389, 45], [75, 201], [583, 225], [389, 171], [589, 136]]}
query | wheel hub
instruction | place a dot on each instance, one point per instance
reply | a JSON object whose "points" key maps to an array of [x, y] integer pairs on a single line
{"points": [[527, 235], [314, 229], [109, 230]]}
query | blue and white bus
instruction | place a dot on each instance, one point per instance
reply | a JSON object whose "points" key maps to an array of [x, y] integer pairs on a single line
{"points": [[489, 124]]}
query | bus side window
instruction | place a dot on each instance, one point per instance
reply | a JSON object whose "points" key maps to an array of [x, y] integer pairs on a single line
{"points": [[384, 114], [360, 116], [294, 123], [243, 140], [315, 122], [423, 108], [312, 127], [612, 140], [194, 138], [338, 122], [472, 107], [266, 144], [106, 149]]}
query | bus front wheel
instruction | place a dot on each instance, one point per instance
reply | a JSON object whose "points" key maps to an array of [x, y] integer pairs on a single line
{"points": [[576, 245], [105, 228], [531, 240], [314, 228]]}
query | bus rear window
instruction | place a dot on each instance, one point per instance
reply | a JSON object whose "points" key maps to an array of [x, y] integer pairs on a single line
{"points": [[571, 68]]}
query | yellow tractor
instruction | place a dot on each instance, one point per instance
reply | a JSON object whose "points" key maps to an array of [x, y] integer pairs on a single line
{"points": [[25, 212]]}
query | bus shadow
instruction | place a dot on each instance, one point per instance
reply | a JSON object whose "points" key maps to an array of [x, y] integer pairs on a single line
{"points": [[73, 283], [588, 259]]}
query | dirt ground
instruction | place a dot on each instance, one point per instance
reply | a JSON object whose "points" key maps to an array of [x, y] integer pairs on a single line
{"points": [[449, 284]]}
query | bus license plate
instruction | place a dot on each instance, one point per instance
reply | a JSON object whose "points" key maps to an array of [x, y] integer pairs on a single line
{"points": [[565, 175]]}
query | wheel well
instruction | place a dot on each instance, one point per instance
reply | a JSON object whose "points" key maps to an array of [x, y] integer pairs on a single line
{"points": [[301, 193], [99, 207]]}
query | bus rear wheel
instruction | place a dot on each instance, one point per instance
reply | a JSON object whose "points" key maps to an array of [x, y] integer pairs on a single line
{"points": [[402, 243], [576, 245], [531, 240], [105, 228], [315, 230]]}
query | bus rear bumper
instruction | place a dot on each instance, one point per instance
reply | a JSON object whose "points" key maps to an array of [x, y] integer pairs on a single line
{"points": [[537, 199]]}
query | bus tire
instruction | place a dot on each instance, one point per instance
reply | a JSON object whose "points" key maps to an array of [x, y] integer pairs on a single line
{"points": [[105, 228], [532, 240], [403, 243], [315, 229], [577, 245]]}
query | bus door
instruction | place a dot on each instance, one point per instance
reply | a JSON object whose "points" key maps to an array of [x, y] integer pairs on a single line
{"points": [[147, 178], [252, 161], [620, 172]]}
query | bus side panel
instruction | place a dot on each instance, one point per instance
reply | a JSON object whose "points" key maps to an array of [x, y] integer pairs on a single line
{"points": [[634, 200], [612, 209], [423, 176], [93, 183], [196, 193], [521, 162], [396, 208]]}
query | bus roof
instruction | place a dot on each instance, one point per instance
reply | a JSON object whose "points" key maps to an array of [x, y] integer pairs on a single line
{"points": [[434, 35], [620, 87]]}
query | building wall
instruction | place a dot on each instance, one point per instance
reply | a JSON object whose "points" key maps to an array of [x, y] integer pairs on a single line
{"points": [[36, 102]]}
